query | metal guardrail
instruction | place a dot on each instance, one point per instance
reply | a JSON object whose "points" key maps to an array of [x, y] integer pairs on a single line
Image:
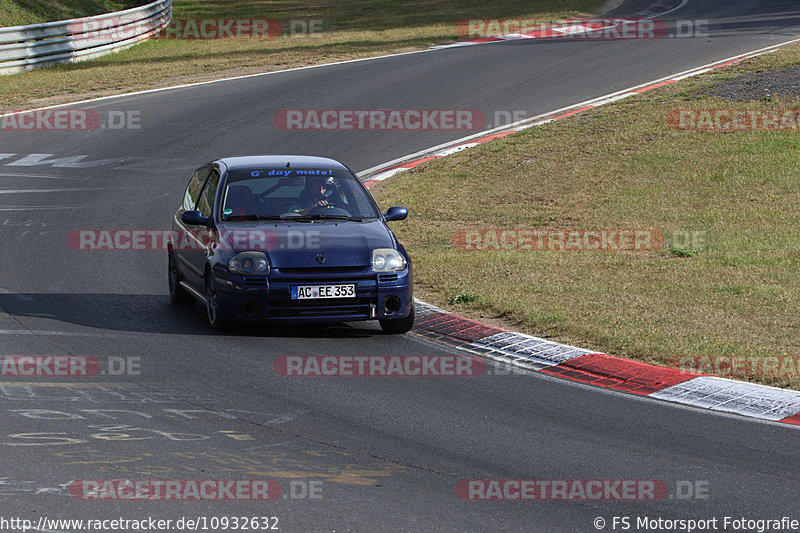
{"points": [[28, 47]]}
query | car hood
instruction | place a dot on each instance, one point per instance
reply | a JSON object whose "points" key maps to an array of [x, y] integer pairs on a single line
{"points": [[298, 244]]}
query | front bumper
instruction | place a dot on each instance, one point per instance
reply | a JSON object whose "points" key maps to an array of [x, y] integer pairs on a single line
{"points": [[268, 299]]}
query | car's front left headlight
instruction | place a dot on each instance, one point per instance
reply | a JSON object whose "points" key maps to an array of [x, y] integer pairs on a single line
{"points": [[249, 264], [387, 260]]}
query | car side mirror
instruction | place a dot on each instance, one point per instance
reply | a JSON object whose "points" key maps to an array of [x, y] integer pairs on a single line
{"points": [[194, 218], [396, 213]]}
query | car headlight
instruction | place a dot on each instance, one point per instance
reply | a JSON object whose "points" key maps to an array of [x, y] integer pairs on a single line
{"points": [[249, 264], [387, 260]]}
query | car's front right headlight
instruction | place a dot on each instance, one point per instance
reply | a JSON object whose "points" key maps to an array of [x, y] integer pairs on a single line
{"points": [[387, 260], [249, 264]]}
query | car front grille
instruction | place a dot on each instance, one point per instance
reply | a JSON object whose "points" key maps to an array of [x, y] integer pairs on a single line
{"points": [[316, 271], [331, 307], [321, 276]]}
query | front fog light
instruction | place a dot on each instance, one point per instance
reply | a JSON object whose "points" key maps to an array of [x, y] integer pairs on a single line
{"points": [[387, 260], [249, 264]]}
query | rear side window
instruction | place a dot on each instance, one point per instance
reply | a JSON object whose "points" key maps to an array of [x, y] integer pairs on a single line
{"points": [[195, 186], [206, 204]]}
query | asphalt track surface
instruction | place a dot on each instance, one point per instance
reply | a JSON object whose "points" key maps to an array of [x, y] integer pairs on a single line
{"points": [[388, 451]]}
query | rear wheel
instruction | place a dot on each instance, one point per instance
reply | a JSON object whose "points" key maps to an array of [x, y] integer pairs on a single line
{"points": [[398, 325], [177, 294], [215, 318]]}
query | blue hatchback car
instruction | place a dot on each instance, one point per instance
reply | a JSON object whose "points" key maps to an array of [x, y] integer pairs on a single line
{"points": [[288, 239]]}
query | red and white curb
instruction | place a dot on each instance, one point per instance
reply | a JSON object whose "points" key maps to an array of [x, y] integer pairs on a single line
{"points": [[386, 170], [592, 368]]}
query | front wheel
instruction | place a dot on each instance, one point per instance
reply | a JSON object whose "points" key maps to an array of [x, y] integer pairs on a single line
{"points": [[215, 318], [398, 325]]}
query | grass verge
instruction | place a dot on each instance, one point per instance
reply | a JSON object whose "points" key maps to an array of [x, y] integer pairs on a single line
{"points": [[21, 12], [349, 29], [726, 282]]}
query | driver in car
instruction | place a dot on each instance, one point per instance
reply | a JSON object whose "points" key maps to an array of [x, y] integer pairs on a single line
{"points": [[317, 193]]}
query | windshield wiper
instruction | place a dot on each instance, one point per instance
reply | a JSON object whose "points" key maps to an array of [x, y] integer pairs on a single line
{"points": [[322, 216], [254, 217]]}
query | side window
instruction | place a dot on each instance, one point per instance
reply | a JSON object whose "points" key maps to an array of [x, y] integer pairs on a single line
{"points": [[194, 188], [206, 204]]}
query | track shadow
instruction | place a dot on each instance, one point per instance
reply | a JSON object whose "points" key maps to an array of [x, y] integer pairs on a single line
{"points": [[153, 313]]}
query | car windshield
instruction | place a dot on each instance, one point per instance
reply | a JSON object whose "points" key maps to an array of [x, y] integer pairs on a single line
{"points": [[283, 193]]}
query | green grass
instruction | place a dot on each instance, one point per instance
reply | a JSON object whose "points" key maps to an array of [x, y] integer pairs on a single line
{"points": [[21, 12], [727, 280], [350, 29]]}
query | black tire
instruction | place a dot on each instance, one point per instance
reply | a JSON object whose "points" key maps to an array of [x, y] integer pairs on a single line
{"points": [[177, 294], [396, 326], [215, 317]]}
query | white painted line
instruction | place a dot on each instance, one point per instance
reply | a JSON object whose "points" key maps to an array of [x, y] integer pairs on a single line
{"points": [[43, 176], [65, 384], [517, 36], [56, 333], [388, 174], [458, 44], [684, 76], [75, 161], [613, 99], [38, 208], [23, 191]]}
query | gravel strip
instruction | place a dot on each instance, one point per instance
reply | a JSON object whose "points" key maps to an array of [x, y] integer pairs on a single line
{"points": [[761, 85]]}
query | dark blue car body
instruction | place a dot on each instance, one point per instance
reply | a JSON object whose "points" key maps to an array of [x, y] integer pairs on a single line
{"points": [[321, 266]]}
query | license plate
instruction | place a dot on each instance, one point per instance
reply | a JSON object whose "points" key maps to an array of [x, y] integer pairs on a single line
{"points": [[312, 292]]}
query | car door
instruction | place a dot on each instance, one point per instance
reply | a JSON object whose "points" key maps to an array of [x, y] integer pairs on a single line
{"points": [[203, 235], [188, 244]]}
